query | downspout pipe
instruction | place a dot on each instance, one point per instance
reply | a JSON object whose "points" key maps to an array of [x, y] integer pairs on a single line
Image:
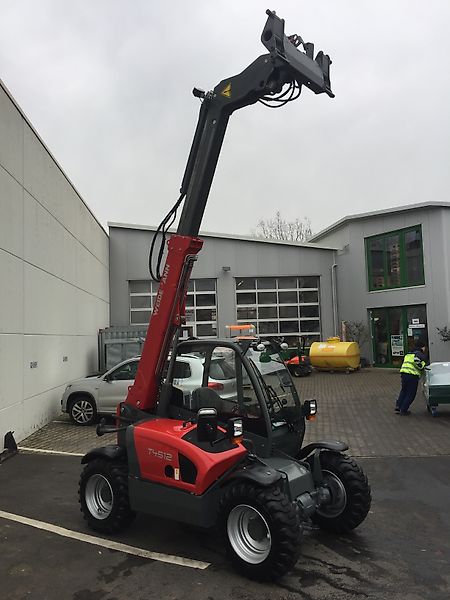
{"points": [[334, 299]]}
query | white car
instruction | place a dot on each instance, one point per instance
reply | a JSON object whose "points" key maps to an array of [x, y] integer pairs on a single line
{"points": [[85, 398]]}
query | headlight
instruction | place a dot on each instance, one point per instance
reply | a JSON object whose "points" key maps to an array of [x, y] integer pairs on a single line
{"points": [[309, 409], [235, 429], [238, 428]]}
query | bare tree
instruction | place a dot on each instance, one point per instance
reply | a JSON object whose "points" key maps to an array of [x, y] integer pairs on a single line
{"points": [[357, 331], [444, 333], [280, 229]]}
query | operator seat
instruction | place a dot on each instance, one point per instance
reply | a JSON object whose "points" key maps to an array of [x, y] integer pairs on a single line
{"points": [[205, 397]]}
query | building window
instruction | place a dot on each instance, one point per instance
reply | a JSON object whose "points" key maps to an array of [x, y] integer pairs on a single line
{"points": [[395, 259], [201, 305], [287, 307]]}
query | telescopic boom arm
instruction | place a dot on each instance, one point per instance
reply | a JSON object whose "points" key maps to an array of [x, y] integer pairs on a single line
{"points": [[263, 80]]}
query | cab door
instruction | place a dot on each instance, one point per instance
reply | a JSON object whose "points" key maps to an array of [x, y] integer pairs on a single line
{"points": [[239, 395]]}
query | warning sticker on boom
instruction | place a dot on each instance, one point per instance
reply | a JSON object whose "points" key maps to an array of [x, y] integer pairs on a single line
{"points": [[226, 91]]}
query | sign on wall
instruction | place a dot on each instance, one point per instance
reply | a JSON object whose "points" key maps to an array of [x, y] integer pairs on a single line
{"points": [[397, 345]]}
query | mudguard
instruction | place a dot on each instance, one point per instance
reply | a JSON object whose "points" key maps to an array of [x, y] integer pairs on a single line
{"points": [[257, 472], [111, 452], [332, 445]]}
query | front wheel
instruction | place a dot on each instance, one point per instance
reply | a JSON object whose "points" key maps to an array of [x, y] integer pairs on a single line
{"points": [[261, 529], [349, 491], [103, 495]]}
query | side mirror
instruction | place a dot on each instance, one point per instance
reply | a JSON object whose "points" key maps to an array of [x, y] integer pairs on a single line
{"points": [[309, 409], [207, 425]]}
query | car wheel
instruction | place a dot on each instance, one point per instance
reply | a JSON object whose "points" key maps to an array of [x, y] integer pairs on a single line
{"points": [[82, 410], [261, 530], [103, 495]]}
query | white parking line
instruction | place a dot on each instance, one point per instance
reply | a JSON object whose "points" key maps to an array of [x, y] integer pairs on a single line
{"points": [[90, 539], [42, 451]]}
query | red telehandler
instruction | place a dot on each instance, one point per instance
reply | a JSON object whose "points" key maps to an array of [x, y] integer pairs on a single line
{"points": [[228, 454]]}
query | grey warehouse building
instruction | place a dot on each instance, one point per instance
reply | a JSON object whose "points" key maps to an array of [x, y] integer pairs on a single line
{"points": [[284, 289], [388, 269]]}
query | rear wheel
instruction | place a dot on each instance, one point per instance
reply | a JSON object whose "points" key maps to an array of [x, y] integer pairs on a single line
{"points": [[82, 410], [261, 529], [103, 495], [349, 491]]}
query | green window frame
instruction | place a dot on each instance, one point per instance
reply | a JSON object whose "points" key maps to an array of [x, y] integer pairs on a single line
{"points": [[391, 263]]}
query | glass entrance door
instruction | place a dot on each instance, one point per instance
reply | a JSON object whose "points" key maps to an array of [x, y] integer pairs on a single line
{"points": [[396, 341], [394, 332], [416, 325], [380, 336]]}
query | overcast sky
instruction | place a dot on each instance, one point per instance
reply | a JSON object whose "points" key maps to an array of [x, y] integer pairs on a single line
{"points": [[107, 84]]}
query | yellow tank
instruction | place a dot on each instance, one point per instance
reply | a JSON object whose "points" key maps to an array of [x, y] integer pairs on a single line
{"points": [[334, 355]]}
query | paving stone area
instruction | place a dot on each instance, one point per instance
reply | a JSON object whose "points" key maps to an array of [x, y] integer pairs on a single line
{"points": [[357, 408]]}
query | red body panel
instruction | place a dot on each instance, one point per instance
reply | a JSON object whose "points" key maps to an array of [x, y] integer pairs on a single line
{"points": [[159, 442], [296, 360], [168, 314]]}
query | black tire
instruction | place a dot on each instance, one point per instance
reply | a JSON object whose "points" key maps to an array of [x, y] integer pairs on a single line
{"points": [[274, 520], [82, 410], [298, 372], [103, 495], [350, 494]]}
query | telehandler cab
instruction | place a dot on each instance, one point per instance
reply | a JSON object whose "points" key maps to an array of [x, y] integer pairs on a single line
{"points": [[228, 454]]}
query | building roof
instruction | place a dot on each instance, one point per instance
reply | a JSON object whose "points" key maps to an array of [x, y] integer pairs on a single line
{"points": [[377, 213], [227, 236]]}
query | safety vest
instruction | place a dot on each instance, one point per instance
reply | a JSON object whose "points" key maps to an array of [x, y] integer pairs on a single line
{"points": [[412, 365]]}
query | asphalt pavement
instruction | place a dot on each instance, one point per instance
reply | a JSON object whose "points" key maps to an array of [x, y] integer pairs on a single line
{"points": [[402, 550]]}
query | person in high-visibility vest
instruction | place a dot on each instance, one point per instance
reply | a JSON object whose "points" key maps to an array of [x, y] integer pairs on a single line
{"points": [[411, 371]]}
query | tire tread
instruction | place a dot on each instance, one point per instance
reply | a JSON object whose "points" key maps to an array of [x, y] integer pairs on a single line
{"points": [[281, 514], [358, 493], [117, 474]]}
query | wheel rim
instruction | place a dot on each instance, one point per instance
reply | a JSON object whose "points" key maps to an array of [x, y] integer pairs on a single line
{"points": [[99, 497], [82, 411], [249, 534], [338, 495]]}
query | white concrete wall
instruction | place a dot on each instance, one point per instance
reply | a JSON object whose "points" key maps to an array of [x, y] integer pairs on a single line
{"points": [[54, 278]]}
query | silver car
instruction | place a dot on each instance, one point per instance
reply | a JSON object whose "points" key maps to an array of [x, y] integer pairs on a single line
{"points": [[85, 398]]}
